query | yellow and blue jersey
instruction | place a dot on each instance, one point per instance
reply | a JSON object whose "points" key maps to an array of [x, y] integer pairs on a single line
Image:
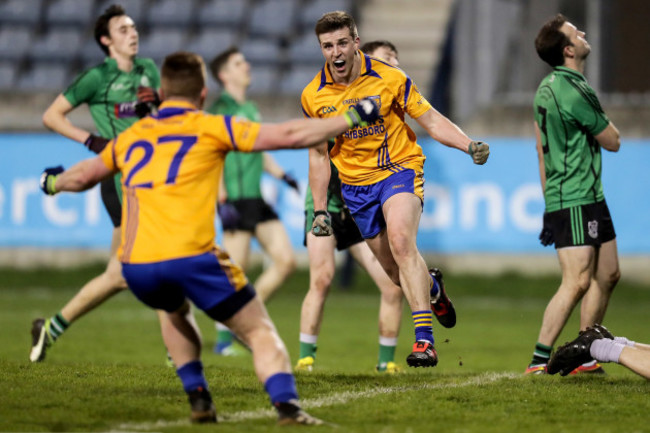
{"points": [[367, 155], [171, 164]]}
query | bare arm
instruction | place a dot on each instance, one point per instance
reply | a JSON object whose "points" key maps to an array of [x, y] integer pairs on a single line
{"points": [[299, 133], [540, 157], [610, 138], [272, 167], [444, 130], [319, 175], [83, 175], [55, 119]]}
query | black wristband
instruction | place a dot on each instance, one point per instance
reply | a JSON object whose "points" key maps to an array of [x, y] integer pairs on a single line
{"points": [[321, 212]]}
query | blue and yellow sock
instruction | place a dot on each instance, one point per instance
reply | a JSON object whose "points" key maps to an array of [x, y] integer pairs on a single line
{"points": [[191, 374], [423, 321], [434, 288], [281, 387]]}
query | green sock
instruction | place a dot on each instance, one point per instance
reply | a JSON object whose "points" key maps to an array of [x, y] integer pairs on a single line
{"points": [[224, 336], [541, 355], [307, 349], [386, 352], [57, 326]]}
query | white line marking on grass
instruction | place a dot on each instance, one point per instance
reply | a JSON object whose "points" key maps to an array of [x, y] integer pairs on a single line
{"points": [[330, 400]]}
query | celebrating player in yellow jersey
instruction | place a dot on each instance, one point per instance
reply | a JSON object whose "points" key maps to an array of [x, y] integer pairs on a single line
{"points": [[170, 164], [381, 168]]}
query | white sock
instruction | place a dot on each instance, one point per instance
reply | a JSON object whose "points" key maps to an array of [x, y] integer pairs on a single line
{"points": [[606, 350], [624, 341], [307, 338], [388, 341]]}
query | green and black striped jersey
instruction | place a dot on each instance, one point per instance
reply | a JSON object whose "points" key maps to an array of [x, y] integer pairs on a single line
{"points": [[569, 115], [111, 93], [242, 171]]}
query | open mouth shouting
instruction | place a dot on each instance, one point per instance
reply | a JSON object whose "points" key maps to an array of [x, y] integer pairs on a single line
{"points": [[339, 66]]}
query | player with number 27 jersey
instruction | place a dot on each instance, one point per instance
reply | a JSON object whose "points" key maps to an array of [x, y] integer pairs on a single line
{"points": [[369, 154], [166, 189]]}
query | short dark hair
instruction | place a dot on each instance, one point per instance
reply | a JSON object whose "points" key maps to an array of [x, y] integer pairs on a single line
{"points": [[336, 20], [550, 41], [101, 25], [183, 75], [369, 47], [220, 60]]}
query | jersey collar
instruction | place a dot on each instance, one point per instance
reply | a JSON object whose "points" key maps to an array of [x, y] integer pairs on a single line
{"points": [[366, 69], [173, 108], [570, 71]]}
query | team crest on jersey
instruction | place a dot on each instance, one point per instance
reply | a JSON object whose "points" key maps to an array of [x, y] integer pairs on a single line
{"points": [[592, 229]]}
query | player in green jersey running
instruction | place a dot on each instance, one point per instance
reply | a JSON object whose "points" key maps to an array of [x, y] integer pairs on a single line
{"points": [[243, 212], [117, 92], [571, 127]]}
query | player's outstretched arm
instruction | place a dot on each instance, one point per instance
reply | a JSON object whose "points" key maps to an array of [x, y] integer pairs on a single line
{"points": [[301, 133], [446, 132], [80, 177]]}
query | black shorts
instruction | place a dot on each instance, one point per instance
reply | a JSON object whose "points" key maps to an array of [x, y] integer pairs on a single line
{"points": [[345, 229], [252, 211], [111, 200], [589, 224]]}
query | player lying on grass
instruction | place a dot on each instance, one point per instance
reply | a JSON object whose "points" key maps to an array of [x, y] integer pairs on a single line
{"points": [[170, 164], [598, 343]]}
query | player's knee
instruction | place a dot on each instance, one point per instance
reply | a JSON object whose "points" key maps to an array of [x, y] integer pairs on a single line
{"points": [[287, 264], [612, 279], [321, 282], [391, 295]]}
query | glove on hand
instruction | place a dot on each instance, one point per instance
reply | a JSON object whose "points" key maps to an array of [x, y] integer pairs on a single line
{"points": [[148, 101], [362, 113], [48, 179], [546, 235], [322, 225], [291, 181], [95, 143], [479, 152]]}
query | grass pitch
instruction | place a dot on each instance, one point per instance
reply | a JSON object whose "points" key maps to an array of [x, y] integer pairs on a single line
{"points": [[107, 373]]}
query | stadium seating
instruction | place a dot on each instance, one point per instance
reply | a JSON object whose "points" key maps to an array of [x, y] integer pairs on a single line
{"points": [[57, 45], [275, 35], [7, 74], [272, 18], [262, 52], [135, 8], [316, 8], [161, 41], [14, 42], [304, 49], [226, 13], [263, 80], [210, 42], [44, 76], [297, 78], [171, 13], [68, 12], [21, 12]]}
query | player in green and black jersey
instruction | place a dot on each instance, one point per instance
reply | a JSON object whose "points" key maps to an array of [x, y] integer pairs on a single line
{"points": [[117, 92], [571, 128], [243, 212]]}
